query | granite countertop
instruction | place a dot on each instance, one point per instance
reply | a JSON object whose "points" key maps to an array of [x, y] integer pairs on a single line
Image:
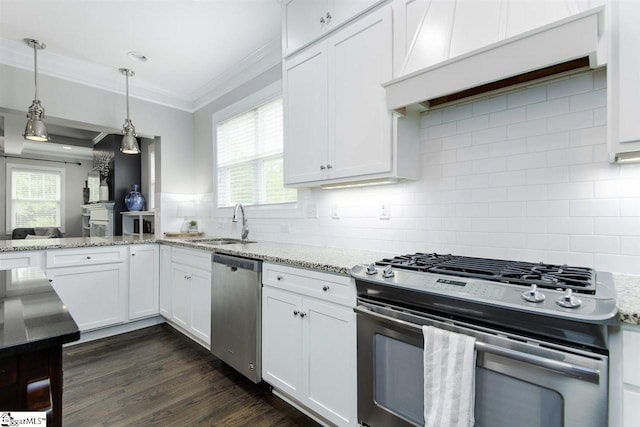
{"points": [[334, 260], [628, 298], [33, 316], [72, 242]]}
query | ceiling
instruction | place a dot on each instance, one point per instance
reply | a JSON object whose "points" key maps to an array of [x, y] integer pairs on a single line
{"points": [[195, 48]]}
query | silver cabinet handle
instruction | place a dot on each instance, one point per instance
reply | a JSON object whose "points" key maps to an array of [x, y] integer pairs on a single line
{"points": [[329, 166], [88, 257], [296, 312], [322, 167], [325, 288], [302, 314], [322, 20], [328, 17], [133, 254], [278, 278]]}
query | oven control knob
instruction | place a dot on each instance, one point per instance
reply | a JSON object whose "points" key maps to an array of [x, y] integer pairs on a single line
{"points": [[533, 295], [568, 300], [371, 269], [387, 272]]}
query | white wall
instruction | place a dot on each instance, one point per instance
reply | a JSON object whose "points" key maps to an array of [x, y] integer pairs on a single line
{"points": [[522, 175]]}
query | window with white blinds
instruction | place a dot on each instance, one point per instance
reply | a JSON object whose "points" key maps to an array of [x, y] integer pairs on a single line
{"points": [[34, 196], [250, 161]]}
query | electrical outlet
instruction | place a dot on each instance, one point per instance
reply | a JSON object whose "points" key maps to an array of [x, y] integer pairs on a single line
{"points": [[335, 213], [312, 210], [384, 211]]}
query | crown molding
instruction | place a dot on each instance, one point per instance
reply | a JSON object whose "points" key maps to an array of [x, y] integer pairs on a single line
{"points": [[94, 75]]}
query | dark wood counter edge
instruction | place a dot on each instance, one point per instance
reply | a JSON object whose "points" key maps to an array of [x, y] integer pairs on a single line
{"points": [[40, 344]]}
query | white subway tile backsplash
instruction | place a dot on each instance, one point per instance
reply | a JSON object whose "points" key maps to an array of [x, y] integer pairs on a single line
{"points": [[623, 264], [527, 225], [527, 96], [580, 259], [457, 169], [508, 147], [457, 113], [569, 191], [473, 124], [619, 188], [617, 226], [630, 207], [527, 161], [431, 118], [507, 209], [600, 116], [550, 108], [570, 225], [588, 100], [526, 129], [455, 142], [472, 181], [570, 156], [570, 86], [472, 153], [474, 210], [487, 136], [549, 175], [588, 136], [507, 240], [548, 208], [527, 192], [489, 195], [595, 207], [507, 117], [571, 121], [490, 105], [489, 165], [594, 172], [595, 244], [549, 142], [507, 179], [630, 246], [554, 242], [440, 131], [497, 225]]}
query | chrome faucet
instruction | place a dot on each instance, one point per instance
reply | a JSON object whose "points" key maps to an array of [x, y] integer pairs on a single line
{"points": [[245, 227]]}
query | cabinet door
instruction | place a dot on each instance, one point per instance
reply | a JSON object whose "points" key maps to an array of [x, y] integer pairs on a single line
{"points": [[180, 295], [165, 281], [199, 283], [302, 22], [305, 116], [360, 60], [143, 281], [282, 340], [21, 259], [329, 352], [95, 295]]}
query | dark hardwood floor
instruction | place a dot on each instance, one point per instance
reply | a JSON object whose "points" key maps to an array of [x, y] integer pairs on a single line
{"points": [[157, 377]]}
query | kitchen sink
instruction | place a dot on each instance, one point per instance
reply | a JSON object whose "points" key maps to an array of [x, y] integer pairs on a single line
{"points": [[221, 241]]}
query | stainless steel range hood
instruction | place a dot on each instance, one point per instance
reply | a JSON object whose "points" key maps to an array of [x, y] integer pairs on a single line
{"points": [[573, 42]]}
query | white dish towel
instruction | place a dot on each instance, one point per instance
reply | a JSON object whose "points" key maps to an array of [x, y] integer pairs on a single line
{"points": [[449, 378]]}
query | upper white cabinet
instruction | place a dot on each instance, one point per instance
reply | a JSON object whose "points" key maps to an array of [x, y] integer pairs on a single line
{"points": [[623, 84], [337, 126], [304, 21]]}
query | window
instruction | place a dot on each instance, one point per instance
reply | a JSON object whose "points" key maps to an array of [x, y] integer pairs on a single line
{"points": [[250, 161], [34, 196]]}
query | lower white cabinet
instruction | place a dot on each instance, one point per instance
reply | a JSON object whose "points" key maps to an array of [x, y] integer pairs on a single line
{"points": [[630, 375], [143, 281], [165, 281], [20, 259], [309, 342], [96, 295], [191, 292]]}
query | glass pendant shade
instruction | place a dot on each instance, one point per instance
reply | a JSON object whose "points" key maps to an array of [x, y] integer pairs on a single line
{"points": [[35, 129], [129, 143]]}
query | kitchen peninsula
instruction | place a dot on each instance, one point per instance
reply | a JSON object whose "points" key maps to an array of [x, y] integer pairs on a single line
{"points": [[35, 325]]}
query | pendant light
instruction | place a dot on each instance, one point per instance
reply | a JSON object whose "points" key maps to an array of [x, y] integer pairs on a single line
{"points": [[35, 129], [129, 144]]}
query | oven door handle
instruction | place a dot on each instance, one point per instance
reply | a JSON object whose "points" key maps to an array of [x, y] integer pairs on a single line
{"points": [[568, 369]]}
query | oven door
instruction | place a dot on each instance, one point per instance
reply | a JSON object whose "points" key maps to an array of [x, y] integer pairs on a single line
{"points": [[518, 382]]}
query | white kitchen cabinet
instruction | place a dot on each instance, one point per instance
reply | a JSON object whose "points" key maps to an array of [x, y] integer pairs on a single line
{"points": [[304, 21], [623, 84], [165, 282], [143, 281], [95, 293], [191, 293], [337, 126], [21, 259], [309, 340]]}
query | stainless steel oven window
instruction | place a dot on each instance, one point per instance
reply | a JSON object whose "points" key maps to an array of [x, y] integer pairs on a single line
{"points": [[398, 382]]}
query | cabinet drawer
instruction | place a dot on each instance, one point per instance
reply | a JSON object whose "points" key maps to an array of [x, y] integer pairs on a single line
{"points": [[326, 286], [194, 258], [20, 259], [85, 256]]}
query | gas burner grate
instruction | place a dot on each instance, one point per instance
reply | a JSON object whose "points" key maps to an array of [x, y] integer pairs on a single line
{"points": [[580, 279]]}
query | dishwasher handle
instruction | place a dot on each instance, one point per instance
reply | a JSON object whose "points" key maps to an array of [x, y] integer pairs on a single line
{"points": [[236, 263]]}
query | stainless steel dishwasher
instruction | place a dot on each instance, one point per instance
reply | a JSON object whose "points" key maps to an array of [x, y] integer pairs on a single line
{"points": [[236, 301]]}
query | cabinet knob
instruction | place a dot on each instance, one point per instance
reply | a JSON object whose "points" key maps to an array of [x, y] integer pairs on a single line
{"points": [[325, 288], [302, 314], [278, 278], [329, 166], [296, 312], [88, 257], [322, 167], [328, 17], [322, 20], [133, 254]]}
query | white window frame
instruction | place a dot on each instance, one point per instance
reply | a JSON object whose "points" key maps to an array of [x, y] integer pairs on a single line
{"points": [[9, 191], [275, 210]]}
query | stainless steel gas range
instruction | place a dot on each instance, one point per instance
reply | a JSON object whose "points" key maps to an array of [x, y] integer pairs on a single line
{"points": [[540, 330]]}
